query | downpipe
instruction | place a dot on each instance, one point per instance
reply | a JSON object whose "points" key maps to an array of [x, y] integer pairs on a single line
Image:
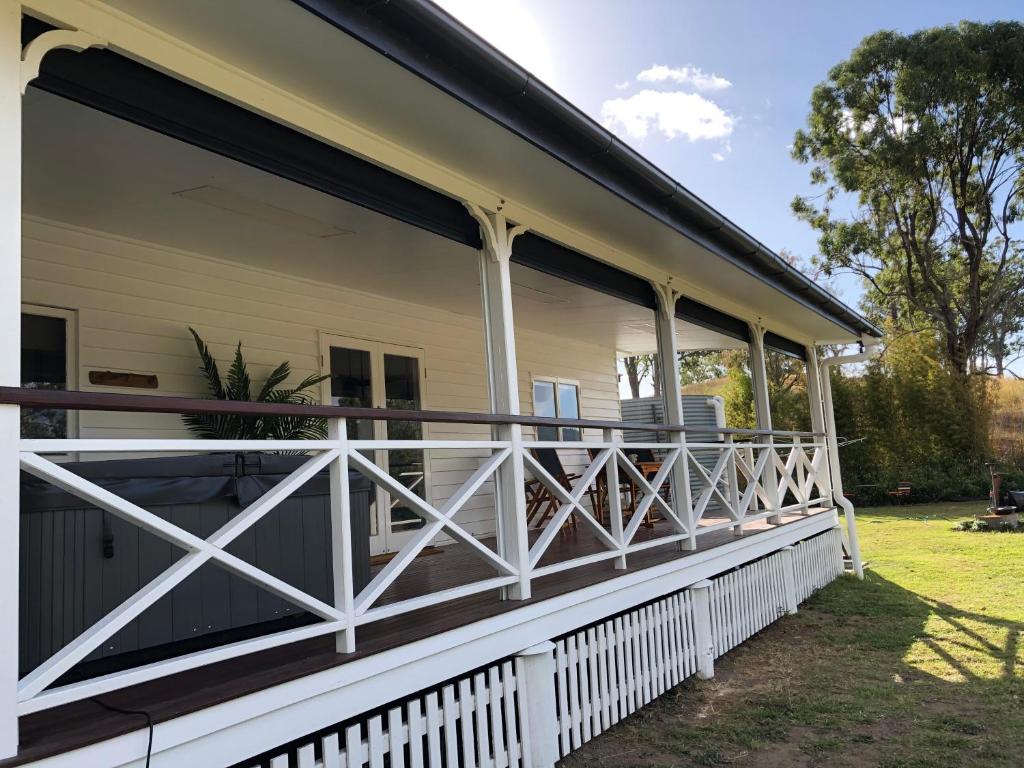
{"points": [[871, 350]]}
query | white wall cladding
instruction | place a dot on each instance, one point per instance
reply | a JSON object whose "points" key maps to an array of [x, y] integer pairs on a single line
{"points": [[599, 675], [135, 300]]}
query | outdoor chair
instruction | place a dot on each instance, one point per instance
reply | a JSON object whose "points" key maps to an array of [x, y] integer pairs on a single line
{"points": [[644, 460], [626, 492], [901, 491], [541, 502]]}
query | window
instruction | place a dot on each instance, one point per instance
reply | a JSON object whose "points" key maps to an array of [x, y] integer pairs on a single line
{"points": [[47, 362], [557, 398]]}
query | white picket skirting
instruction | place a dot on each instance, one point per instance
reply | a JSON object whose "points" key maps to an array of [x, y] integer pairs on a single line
{"points": [[746, 601], [749, 481], [607, 672], [471, 722], [598, 675], [818, 562]]}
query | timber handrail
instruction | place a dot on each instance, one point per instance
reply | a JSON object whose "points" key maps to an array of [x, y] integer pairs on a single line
{"points": [[106, 401]]}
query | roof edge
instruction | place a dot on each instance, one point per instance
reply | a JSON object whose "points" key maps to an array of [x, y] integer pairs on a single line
{"points": [[430, 43]]}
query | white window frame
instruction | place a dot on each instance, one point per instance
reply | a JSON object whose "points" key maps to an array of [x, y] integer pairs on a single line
{"points": [[557, 381], [70, 317]]}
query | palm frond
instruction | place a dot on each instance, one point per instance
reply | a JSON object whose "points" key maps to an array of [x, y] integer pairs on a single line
{"points": [[208, 367], [238, 386], [239, 382], [277, 377]]}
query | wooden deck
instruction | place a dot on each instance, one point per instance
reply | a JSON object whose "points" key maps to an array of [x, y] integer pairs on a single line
{"points": [[79, 724]]}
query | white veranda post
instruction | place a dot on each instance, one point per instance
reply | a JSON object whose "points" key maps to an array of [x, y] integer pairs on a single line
{"points": [[763, 412], [671, 388], [10, 361], [503, 389], [817, 410]]}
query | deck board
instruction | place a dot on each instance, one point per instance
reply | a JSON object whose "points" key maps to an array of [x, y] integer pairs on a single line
{"points": [[82, 723]]}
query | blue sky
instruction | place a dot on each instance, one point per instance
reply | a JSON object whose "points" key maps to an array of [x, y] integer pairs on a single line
{"points": [[719, 88]]}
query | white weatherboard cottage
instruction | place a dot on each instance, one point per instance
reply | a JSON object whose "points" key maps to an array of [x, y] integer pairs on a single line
{"points": [[370, 192]]}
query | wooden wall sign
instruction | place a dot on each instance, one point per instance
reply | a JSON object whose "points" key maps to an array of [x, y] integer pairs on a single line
{"points": [[117, 379]]}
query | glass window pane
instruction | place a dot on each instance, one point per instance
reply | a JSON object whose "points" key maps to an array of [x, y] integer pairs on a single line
{"points": [[544, 399], [44, 365], [544, 405], [569, 408], [568, 401]]}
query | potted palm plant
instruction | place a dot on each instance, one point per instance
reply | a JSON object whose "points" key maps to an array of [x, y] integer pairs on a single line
{"points": [[237, 385]]}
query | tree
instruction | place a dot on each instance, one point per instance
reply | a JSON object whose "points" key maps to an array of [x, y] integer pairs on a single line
{"points": [[700, 365], [918, 142], [638, 368]]}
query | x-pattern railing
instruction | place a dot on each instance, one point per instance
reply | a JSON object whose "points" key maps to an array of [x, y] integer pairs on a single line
{"points": [[570, 503], [198, 551], [437, 521], [737, 484]]}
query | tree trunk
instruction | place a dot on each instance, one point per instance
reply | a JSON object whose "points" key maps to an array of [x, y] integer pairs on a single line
{"points": [[656, 375], [999, 351], [633, 375]]}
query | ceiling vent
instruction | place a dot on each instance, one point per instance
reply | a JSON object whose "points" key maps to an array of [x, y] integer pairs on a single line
{"points": [[226, 200]]}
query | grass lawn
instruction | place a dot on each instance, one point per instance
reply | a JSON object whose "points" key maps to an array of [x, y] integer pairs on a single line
{"points": [[917, 666]]}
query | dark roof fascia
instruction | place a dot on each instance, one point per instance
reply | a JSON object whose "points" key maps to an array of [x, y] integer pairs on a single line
{"points": [[708, 317], [785, 346], [424, 39]]}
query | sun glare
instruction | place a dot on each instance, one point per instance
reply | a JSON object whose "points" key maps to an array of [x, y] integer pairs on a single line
{"points": [[512, 28]]}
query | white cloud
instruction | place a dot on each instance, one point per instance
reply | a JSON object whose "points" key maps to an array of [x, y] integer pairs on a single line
{"points": [[671, 113], [694, 76], [717, 157], [622, 86]]}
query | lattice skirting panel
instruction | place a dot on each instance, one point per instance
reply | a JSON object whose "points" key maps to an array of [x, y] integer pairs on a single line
{"points": [[533, 709]]}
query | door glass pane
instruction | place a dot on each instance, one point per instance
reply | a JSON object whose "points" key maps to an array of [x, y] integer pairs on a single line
{"points": [[44, 365], [402, 392], [544, 405], [351, 385], [569, 408]]}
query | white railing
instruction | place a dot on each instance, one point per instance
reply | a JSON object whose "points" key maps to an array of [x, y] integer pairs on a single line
{"points": [[731, 484]]}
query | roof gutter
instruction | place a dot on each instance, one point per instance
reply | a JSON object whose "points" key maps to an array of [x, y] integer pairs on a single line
{"points": [[425, 40]]}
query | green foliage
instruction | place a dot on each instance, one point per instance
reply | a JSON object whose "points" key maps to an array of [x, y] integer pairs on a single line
{"points": [[700, 365], [738, 395], [913, 420], [918, 142], [238, 386], [787, 391]]}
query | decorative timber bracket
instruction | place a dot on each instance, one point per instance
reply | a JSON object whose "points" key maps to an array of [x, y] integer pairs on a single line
{"points": [[667, 296], [33, 53], [496, 232]]}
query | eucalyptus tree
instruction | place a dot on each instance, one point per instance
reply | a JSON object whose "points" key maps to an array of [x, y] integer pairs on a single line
{"points": [[917, 143]]}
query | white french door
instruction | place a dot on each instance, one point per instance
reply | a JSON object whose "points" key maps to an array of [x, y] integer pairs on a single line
{"points": [[373, 374]]}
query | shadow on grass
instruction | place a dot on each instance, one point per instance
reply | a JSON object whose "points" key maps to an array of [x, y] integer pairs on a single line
{"points": [[866, 674]]}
